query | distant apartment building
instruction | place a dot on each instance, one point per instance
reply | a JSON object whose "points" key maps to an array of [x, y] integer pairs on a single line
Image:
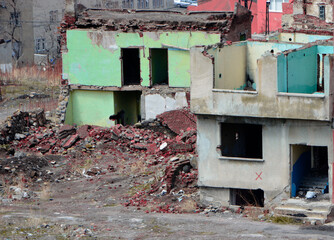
{"points": [[29, 29], [16, 33]]}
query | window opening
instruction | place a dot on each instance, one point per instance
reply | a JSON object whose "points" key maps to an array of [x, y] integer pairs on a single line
{"points": [[276, 5], [131, 66], [241, 140], [159, 66], [247, 197], [322, 12]]}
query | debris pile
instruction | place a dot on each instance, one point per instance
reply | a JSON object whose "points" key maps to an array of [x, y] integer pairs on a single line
{"points": [[86, 138], [19, 124], [161, 165]]}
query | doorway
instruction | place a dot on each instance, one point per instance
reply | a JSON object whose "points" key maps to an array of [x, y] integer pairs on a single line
{"points": [[309, 170]]}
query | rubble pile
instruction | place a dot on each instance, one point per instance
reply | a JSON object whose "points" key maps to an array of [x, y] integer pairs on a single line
{"points": [[18, 125], [31, 166], [161, 164], [86, 138]]}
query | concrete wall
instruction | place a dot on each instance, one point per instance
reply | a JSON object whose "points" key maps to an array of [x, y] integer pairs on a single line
{"points": [[277, 136], [155, 104], [313, 9], [94, 57], [301, 37], [265, 101], [5, 57]]}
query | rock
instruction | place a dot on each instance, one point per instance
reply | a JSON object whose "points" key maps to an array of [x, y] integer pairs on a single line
{"points": [[93, 171], [163, 146], [194, 162], [83, 131], [70, 141], [19, 136], [65, 131], [174, 159], [181, 147], [139, 146], [20, 155]]}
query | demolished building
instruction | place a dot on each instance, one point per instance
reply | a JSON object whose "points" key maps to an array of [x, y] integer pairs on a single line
{"points": [[264, 119], [309, 16], [136, 61]]}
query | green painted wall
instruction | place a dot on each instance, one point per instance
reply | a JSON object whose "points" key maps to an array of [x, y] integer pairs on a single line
{"points": [[297, 71], [94, 57], [179, 68], [90, 107]]}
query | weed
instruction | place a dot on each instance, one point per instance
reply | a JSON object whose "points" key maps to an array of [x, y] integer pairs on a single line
{"points": [[45, 193], [284, 220]]}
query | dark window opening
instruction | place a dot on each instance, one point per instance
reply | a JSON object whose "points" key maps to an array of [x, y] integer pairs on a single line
{"points": [[131, 66], [247, 197], [322, 12], [241, 140], [15, 19], [159, 66], [243, 36]]}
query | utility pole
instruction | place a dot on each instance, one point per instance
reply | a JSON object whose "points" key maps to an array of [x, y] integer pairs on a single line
{"points": [[267, 16]]}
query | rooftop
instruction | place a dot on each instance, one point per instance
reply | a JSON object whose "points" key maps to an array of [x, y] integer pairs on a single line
{"points": [[142, 20]]}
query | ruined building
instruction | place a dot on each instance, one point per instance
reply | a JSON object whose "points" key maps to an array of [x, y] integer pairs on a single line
{"points": [[265, 123], [309, 15], [136, 61]]}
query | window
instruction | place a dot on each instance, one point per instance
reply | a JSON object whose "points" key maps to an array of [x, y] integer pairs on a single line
{"points": [[53, 16], [276, 5], [127, 4], [322, 12], [112, 4], [159, 66], [40, 45], [241, 140], [142, 4], [15, 19], [131, 66]]}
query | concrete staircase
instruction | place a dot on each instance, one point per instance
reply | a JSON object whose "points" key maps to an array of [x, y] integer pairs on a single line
{"points": [[313, 211], [311, 183]]}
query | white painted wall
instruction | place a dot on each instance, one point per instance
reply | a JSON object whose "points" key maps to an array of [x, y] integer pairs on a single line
{"points": [[155, 104]]}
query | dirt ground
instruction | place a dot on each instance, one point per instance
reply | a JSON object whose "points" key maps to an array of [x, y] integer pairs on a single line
{"points": [[80, 207]]}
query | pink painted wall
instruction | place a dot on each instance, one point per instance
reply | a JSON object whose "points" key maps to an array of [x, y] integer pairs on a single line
{"points": [[258, 9]]}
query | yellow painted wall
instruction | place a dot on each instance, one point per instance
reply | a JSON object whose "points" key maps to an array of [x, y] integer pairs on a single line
{"points": [[230, 73]]}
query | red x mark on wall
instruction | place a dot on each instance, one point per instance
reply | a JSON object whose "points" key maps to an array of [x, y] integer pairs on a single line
{"points": [[258, 176]]}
